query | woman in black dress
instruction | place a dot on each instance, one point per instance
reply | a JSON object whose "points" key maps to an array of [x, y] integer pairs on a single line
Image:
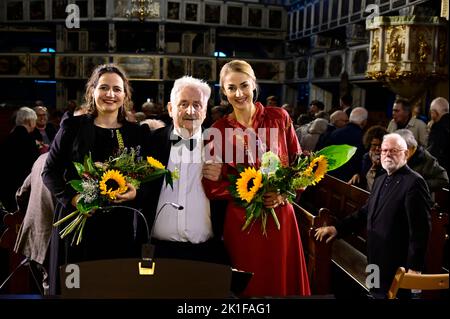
{"points": [[107, 234]]}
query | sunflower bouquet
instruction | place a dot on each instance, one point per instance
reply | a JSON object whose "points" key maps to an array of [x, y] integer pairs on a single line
{"points": [[249, 187], [101, 182]]}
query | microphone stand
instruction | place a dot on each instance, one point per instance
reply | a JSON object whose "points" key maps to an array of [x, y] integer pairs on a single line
{"points": [[148, 249]]}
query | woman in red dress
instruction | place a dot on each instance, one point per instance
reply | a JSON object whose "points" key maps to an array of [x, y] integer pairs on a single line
{"points": [[276, 258]]}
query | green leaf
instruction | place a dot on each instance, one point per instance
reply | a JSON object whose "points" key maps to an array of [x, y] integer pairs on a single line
{"points": [[169, 179], [89, 165], [80, 168], [76, 185], [152, 176], [87, 207], [337, 155]]}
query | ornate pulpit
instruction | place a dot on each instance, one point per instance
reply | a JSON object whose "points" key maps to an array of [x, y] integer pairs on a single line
{"points": [[408, 53]]}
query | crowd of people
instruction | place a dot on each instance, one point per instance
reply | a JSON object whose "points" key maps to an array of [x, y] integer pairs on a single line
{"points": [[400, 165]]}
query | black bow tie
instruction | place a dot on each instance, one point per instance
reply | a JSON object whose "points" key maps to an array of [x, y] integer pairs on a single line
{"points": [[189, 144]]}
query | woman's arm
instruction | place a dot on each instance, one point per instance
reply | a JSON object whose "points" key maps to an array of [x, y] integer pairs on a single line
{"points": [[59, 157]]}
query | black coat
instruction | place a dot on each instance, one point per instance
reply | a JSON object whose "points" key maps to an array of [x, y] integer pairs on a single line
{"points": [[19, 151], [398, 227], [438, 140], [106, 234]]}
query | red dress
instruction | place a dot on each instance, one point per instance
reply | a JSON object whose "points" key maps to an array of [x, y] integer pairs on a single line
{"points": [[277, 260]]}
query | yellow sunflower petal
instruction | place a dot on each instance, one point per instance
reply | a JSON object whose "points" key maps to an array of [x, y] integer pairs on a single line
{"points": [[318, 168], [242, 184], [155, 163], [112, 184]]}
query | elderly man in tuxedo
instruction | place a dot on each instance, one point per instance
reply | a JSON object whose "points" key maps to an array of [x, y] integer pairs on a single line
{"points": [[193, 232], [397, 217]]}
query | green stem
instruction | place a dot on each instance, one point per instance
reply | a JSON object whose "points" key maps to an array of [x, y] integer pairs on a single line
{"points": [[71, 226], [80, 236], [274, 215], [264, 223], [62, 220], [247, 222]]}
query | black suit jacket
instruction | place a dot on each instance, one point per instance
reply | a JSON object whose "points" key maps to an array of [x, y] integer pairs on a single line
{"points": [[158, 145], [398, 226]]}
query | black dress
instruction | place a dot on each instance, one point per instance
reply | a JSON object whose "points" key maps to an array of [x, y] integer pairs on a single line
{"points": [[107, 234]]}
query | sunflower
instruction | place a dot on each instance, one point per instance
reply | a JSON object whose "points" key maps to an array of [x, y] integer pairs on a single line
{"points": [[318, 168], [112, 184], [155, 163], [248, 184]]}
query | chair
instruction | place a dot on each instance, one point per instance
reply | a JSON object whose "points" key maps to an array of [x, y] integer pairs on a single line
{"points": [[416, 281]]}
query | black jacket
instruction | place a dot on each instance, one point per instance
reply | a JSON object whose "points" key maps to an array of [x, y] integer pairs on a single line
{"points": [[158, 145], [438, 140]]}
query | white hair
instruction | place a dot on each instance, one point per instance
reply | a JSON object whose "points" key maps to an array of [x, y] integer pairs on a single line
{"points": [[440, 105], [189, 81], [358, 115], [24, 115], [408, 136], [397, 138]]}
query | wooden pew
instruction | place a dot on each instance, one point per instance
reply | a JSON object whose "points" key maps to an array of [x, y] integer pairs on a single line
{"points": [[348, 254], [335, 199], [442, 227], [317, 254]]}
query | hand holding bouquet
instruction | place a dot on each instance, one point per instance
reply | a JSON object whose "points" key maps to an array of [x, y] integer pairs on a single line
{"points": [[103, 183], [248, 189]]}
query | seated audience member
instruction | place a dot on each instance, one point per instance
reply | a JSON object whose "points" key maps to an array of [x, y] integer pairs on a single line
{"points": [[303, 121], [402, 118], [309, 140], [438, 141], [350, 134], [338, 119], [45, 132], [421, 161], [371, 164], [315, 107], [19, 151]]}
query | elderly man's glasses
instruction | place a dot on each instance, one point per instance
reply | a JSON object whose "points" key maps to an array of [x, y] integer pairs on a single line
{"points": [[393, 151]]}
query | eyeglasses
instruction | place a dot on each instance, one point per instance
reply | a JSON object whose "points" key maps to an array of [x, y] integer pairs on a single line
{"points": [[393, 151]]}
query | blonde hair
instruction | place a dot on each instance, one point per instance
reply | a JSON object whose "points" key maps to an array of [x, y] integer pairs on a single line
{"points": [[240, 66]]}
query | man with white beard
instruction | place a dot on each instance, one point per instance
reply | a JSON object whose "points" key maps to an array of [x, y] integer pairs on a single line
{"points": [[397, 217]]}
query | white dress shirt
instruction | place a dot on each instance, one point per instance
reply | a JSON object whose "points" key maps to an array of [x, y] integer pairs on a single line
{"points": [[193, 223]]}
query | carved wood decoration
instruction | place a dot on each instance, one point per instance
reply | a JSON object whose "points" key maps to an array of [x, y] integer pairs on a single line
{"points": [[404, 51]]}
